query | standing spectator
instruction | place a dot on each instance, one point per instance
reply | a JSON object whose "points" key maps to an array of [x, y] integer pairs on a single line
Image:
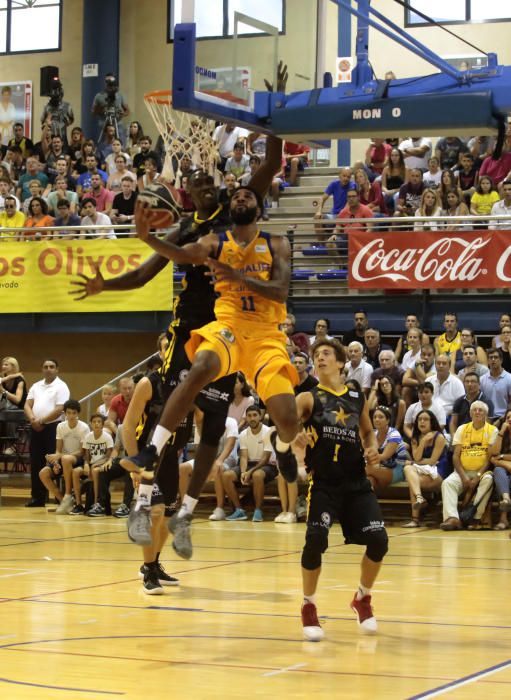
{"points": [[497, 383], [416, 151], [91, 217], [410, 194], [226, 136], [43, 408], [120, 402], [13, 387], [474, 444], [502, 208], [110, 107], [297, 158], [448, 151]]}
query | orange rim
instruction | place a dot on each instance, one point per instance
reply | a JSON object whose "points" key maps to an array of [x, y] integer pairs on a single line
{"points": [[160, 97]]}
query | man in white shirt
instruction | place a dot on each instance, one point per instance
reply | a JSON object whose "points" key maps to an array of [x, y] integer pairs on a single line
{"points": [[357, 368], [502, 208], [68, 454], [447, 387], [226, 136], [416, 151], [257, 465], [43, 408], [92, 217], [426, 401]]}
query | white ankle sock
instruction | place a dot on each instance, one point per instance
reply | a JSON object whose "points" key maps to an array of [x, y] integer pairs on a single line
{"points": [[144, 496], [281, 446], [362, 592], [160, 438], [309, 599], [188, 506]]}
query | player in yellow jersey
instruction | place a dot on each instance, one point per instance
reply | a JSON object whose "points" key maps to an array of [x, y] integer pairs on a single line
{"points": [[251, 275]]}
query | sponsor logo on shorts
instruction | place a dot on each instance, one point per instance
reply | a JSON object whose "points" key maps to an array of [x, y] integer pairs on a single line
{"points": [[326, 519], [373, 526], [183, 375], [227, 335], [215, 394]]}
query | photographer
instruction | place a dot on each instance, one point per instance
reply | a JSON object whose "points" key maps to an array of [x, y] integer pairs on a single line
{"points": [[110, 107], [58, 114]]}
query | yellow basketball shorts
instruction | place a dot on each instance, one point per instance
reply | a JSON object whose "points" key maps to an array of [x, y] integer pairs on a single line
{"points": [[260, 353]]}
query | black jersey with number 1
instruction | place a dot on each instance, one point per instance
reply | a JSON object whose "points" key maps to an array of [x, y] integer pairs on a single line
{"points": [[336, 454]]}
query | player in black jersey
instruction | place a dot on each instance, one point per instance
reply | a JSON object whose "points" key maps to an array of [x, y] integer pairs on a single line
{"points": [[339, 440], [193, 309]]}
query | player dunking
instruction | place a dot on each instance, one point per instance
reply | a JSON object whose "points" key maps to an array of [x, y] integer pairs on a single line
{"points": [[252, 274], [339, 439]]}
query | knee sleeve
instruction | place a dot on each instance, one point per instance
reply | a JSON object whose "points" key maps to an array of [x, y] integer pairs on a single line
{"points": [[377, 545], [316, 543], [213, 427]]}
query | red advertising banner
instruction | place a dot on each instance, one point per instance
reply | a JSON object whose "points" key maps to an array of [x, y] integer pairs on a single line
{"points": [[429, 259]]}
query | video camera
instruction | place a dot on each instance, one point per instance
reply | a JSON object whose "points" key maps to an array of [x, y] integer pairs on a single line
{"points": [[56, 91], [111, 87]]}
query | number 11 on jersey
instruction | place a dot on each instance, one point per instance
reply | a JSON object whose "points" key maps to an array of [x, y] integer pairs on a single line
{"points": [[247, 303]]}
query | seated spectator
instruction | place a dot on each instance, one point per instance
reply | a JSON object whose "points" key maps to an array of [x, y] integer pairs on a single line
{"points": [[497, 383], [416, 151], [502, 472], [385, 393], [430, 207], [6, 190], [306, 380], [455, 207], [107, 394], [84, 182], [360, 325], [11, 218], [433, 177], [392, 452], [353, 210], [484, 197], [68, 454], [184, 192], [61, 192], [145, 143], [467, 176], [13, 161], [299, 340], [114, 183], [230, 186], [377, 155], [135, 134], [388, 367], [410, 193], [413, 355], [447, 387], [461, 409], [37, 217], [496, 168], [448, 150], [91, 217], [481, 147], [238, 163], [394, 176], [241, 402], [57, 153], [151, 174], [502, 208], [449, 342], [254, 163], [100, 194], [425, 402], [36, 190], [370, 194], [109, 471], [33, 173], [470, 363], [98, 445], [120, 402], [88, 149], [75, 143], [505, 348], [373, 347], [123, 204], [256, 466], [411, 321], [338, 190], [43, 147], [468, 340], [321, 330], [447, 184], [297, 158], [226, 136], [424, 368], [504, 320], [66, 218], [428, 464], [256, 145], [111, 159], [357, 368], [474, 444], [23, 142]]}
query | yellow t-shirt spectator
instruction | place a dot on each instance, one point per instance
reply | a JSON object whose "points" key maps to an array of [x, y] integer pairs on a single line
{"points": [[483, 203], [16, 221], [474, 445]]}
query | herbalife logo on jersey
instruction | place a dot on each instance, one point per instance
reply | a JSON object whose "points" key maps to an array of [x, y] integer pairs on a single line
{"points": [[227, 335]]}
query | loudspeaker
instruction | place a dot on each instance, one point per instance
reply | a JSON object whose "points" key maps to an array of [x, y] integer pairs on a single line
{"points": [[48, 74]]}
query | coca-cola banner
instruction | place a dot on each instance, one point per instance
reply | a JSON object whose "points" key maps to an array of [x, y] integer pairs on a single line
{"points": [[429, 259]]}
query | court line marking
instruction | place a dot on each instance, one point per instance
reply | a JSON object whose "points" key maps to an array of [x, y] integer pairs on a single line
{"points": [[61, 687], [285, 669], [460, 682]]}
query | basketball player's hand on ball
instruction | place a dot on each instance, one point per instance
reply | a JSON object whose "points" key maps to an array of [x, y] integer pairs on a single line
{"points": [[221, 271], [371, 457], [87, 286]]}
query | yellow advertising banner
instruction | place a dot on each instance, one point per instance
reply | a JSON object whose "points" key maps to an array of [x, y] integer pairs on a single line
{"points": [[35, 276]]}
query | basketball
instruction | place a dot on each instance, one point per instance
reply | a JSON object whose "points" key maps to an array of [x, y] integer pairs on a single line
{"points": [[164, 203]]}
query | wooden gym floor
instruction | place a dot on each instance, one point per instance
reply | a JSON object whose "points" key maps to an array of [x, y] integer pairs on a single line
{"points": [[74, 622]]}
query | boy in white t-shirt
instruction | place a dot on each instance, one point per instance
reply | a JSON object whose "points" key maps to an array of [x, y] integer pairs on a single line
{"points": [[98, 446], [68, 455]]}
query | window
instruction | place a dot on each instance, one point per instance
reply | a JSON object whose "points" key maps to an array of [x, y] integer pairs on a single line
{"points": [[215, 18], [30, 25], [458, 11]]}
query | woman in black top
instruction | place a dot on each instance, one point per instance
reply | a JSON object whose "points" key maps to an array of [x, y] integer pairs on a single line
{"points": [[13, 388]]}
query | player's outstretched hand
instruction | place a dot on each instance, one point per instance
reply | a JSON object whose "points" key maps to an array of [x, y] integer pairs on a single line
{"points": [[142, 220], [87, 286], [282, 76], [221, 271]]}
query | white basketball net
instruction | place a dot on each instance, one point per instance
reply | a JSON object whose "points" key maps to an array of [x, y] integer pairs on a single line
{"points": [[182, 133]]}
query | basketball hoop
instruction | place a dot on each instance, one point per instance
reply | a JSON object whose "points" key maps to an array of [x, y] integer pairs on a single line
{"points": [[182, 134]]}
